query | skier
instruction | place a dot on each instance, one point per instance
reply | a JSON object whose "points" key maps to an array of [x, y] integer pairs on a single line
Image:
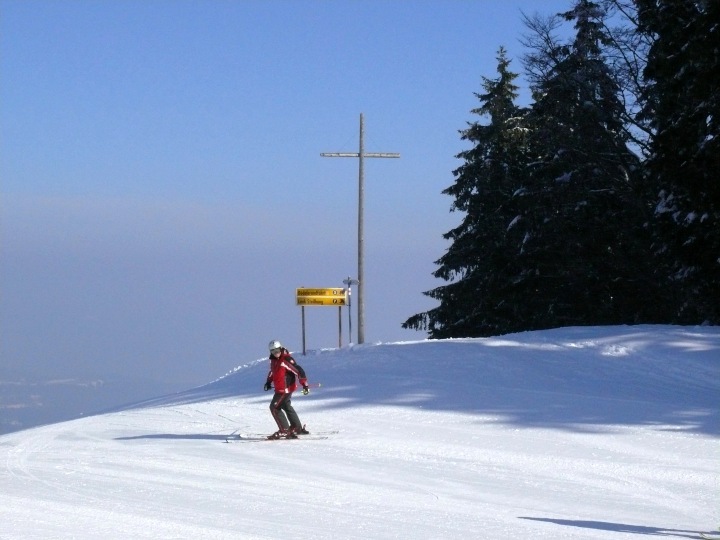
{"points": [[284, 374]]}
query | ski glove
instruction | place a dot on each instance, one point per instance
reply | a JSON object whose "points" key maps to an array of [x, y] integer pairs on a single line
{"points": [[267, 386], [306, 390]]}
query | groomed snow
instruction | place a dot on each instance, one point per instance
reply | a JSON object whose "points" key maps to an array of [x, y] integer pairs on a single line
{"points": [[581, 433]]}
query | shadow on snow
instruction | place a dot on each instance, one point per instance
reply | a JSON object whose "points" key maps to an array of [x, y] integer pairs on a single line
{"points": [[580, 384], [619, 527]]}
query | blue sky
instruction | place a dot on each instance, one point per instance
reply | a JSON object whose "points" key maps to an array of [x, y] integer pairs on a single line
{"points": [[162, 190]]}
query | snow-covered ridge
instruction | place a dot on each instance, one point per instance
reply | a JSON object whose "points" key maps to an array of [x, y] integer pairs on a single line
{"points": [[580, 433]]}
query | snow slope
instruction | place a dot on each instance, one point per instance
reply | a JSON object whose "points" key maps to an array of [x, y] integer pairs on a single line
{"points": [[582, 433]]}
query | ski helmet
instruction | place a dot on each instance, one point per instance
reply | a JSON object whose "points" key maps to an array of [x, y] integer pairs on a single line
{"points": [[275, 344]]}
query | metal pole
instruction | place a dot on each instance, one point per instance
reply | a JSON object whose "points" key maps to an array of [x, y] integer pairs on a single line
{"points": [[339, 327], [302, 308], [350, 282], [349, 316], [361, 239]]}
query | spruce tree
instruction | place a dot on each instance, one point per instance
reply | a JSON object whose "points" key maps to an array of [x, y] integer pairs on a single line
{"points": [[579, 237], [478, 258], [683, 106]]}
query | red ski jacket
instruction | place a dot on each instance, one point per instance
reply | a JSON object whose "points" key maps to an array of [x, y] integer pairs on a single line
{"points": [[285, 373]]}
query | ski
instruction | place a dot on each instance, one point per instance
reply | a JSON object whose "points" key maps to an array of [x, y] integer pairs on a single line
{"points": [[712, 536], [257, 437]]}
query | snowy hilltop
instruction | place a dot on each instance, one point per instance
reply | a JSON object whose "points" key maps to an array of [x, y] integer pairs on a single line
{"points": [[574, 433]]}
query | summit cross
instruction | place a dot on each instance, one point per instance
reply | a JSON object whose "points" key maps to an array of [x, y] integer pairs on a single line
{"points": [[361, 155]]}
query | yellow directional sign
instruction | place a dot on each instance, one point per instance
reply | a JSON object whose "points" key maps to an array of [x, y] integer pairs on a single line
{"points": [[321, 297], [321, 301], [320, 292]]}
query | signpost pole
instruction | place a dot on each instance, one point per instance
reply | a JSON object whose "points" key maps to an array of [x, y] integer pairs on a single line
{"points": [[350, 282], [302, 308]]}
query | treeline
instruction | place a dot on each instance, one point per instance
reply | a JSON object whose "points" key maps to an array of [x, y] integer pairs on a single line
{"points": [[599, 203]]}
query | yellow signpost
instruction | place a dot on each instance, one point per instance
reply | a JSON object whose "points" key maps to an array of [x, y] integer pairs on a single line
{"points": [[321, 297], [334, 296], [321, 301]]}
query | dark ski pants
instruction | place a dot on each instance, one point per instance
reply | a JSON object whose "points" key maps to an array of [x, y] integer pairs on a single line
{"points": [[282, 411]]}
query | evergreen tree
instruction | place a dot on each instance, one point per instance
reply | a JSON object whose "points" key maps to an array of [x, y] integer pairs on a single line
{"points": [[478, 258], [579, 236], [627, 54], [683, 105]]}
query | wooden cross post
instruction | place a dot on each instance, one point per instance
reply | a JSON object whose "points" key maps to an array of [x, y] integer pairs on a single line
{"points": [[361, 155]]}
